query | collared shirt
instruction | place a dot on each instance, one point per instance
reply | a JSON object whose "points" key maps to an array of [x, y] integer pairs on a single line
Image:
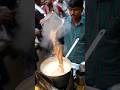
{"points": [[72, 33]]}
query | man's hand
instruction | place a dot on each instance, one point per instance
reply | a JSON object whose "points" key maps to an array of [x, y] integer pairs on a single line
{"points": [[6, 15]]}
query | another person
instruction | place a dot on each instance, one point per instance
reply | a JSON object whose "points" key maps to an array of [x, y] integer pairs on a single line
{"points": [[76, 24], [16, 43], [7, 25], [47, 6], [60, 7], [103, 66]]}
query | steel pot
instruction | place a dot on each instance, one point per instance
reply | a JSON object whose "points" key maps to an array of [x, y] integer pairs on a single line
{"points": [[58, 81]]}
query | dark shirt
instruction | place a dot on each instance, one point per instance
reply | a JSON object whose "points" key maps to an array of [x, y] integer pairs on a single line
{"points": [[103, 66], [5, 37], [38, 17], [17, 60]]}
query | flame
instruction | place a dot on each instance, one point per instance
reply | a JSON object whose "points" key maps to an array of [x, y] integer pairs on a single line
{"points": [[57, 49]]}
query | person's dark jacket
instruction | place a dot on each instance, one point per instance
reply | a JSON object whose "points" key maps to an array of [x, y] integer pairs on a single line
{"points": [[103, 66], [18, 57], [5, 36], [38, 17]]}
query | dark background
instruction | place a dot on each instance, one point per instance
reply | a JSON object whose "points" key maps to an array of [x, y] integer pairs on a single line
{"points": [[18, 61]]}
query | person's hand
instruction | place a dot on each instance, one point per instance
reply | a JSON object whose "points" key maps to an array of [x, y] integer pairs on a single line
{"points": [[6, 15]]}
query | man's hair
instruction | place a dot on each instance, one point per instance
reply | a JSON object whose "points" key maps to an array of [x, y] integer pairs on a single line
{"points": [[75, 3]]}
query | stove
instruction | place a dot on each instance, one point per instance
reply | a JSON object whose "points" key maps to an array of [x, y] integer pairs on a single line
{"points": [[46, 84]]}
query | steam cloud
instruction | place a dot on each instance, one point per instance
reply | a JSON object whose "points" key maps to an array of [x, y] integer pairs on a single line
{"points": [[53, 22]]}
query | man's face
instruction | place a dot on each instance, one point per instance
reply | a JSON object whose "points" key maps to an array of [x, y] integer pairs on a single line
{"points": [[75, 12]]}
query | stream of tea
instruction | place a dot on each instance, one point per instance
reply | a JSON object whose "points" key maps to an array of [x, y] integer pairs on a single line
{"points": [[57, 49]]}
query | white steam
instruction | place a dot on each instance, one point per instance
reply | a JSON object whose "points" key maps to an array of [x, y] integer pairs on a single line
{"points": [[50, 23]]}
